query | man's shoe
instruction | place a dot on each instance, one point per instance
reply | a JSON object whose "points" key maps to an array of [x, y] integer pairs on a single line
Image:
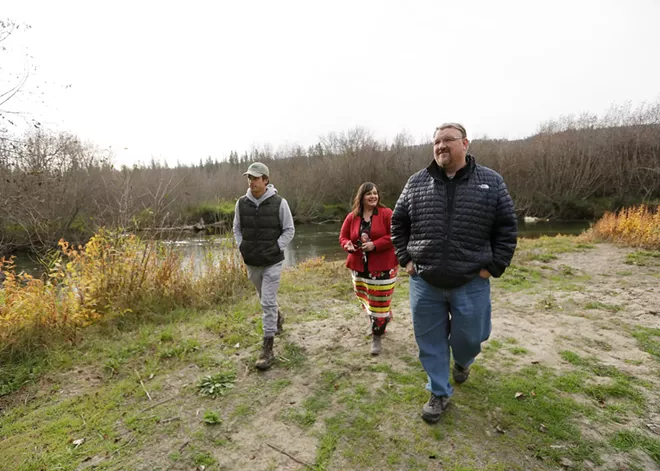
{"points": [[434, 408], [461, 374], [280, 323], [266, 359], [375, 344]]}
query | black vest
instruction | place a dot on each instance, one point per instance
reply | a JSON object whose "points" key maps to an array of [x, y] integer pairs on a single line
{"points": [[261, 227]]}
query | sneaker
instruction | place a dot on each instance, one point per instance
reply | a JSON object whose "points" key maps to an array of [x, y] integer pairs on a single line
{"points": [[460, 374], [375, 344], [434, 408], [280, 323], [266, 358]]}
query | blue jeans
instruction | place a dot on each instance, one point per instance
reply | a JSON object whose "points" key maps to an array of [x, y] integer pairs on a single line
{"points": [[442, 318]]}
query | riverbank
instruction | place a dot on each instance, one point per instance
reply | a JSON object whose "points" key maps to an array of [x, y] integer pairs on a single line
{"points": [[567, 381], [313, 240]]}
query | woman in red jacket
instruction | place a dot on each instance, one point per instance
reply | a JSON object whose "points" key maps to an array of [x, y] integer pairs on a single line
{"points": [[365, 235]]}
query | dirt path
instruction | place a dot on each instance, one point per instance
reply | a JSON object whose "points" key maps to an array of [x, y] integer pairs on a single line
{"points": [[585, 318]]}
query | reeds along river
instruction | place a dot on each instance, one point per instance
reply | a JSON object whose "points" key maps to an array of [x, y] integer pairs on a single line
{"points": [[317, 240]]}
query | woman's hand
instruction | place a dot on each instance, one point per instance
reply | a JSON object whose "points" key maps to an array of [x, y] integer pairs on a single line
{"points": [[349, 247], [484, 273], [368, 246]]}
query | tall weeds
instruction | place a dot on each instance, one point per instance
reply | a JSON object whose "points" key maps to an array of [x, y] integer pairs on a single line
{"points": [[637, 226], [112, 275]]}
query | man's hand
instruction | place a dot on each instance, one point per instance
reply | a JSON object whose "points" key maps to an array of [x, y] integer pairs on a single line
{"points": [[410, 268], [349, 247], [368, 246], [484, 273]]}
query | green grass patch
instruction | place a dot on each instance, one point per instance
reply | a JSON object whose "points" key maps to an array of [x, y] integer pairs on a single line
{"points": [[202, 458], [181, 350], [293, 355], [552, 245], [643, 258], [648, 339], [519, 351], [603, 306], [619, 387], [212, 418], [238, 324], [519, 277], [544, 257], [320, 399], [627, 440], [211, 212]]}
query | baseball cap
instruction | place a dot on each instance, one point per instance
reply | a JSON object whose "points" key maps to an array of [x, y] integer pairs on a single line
{"points": [[257, 169]]}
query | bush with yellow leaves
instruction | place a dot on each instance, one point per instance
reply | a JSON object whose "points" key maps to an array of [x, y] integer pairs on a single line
{"points": [[637, 226], [112, 275]]}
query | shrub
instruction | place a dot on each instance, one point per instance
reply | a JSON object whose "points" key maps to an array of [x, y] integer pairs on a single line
{"points": [[637, 226], [112, 275]]}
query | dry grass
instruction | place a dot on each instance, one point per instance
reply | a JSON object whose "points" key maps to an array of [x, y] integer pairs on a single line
{"points": [[637, 226], [112, 275]]}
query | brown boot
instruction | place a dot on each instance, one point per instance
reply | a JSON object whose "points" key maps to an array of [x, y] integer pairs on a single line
{"points": [[280, 323], [266, 359]]}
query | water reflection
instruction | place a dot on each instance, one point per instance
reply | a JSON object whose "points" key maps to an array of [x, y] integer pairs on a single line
{"points": [[315, 240], [322, 240]]}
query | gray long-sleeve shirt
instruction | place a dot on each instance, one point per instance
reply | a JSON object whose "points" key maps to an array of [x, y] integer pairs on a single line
{"points": [[286, 218]]}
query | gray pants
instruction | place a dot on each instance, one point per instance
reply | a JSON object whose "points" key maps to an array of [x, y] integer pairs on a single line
{"points": [[267, 282]]}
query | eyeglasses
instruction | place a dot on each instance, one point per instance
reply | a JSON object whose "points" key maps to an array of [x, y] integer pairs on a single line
{"points": [[446, 140]]}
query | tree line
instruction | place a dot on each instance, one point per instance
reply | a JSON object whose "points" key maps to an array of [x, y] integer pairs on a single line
{"points": [[53, 185]]}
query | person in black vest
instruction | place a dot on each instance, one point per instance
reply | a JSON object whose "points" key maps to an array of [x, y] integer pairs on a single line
{"points": [[453, 227], [263, 228]]}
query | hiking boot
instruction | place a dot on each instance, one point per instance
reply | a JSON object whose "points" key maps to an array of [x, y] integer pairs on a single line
{"points": [[266, 359], [434, 408], [280, 323], [375, 344], [461, 374]]}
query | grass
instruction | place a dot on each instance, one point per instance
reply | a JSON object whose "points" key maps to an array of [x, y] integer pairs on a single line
{"points": [[628, 440], [648, 340], [112, 280], [637, 226], [131, 389], [643, 258], [603, 306], [211, 212]]}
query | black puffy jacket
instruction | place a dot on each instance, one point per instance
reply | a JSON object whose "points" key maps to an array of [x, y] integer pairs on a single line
{"points": [[450, 243]]}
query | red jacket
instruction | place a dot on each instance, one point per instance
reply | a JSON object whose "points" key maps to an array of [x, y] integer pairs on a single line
{"points": [[382, 258]]}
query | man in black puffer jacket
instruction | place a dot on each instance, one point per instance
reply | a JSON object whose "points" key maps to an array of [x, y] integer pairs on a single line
{"points": [[453, 227]]}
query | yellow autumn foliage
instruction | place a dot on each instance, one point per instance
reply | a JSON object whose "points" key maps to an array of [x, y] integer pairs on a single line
{"points": [[112, 275], [637, 226]]}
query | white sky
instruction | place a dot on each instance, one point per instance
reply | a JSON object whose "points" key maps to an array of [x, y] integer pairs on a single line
{"points": [[185, 80]]}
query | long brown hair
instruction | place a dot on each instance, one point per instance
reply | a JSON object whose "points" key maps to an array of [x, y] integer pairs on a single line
{"points": [[365, 188]]}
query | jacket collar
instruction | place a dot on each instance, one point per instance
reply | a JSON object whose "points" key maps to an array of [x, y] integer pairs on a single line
{"points": [[438, 173], [375, 212]]}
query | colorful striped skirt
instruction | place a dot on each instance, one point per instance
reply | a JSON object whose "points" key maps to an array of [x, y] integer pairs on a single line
{"points": [[374, 290]]}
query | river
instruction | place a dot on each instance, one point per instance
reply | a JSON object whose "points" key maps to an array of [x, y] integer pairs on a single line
{"points": [[321, 240]]}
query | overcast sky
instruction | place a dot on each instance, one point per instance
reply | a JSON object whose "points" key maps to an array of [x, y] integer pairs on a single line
{"points": [[185, 80]]}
